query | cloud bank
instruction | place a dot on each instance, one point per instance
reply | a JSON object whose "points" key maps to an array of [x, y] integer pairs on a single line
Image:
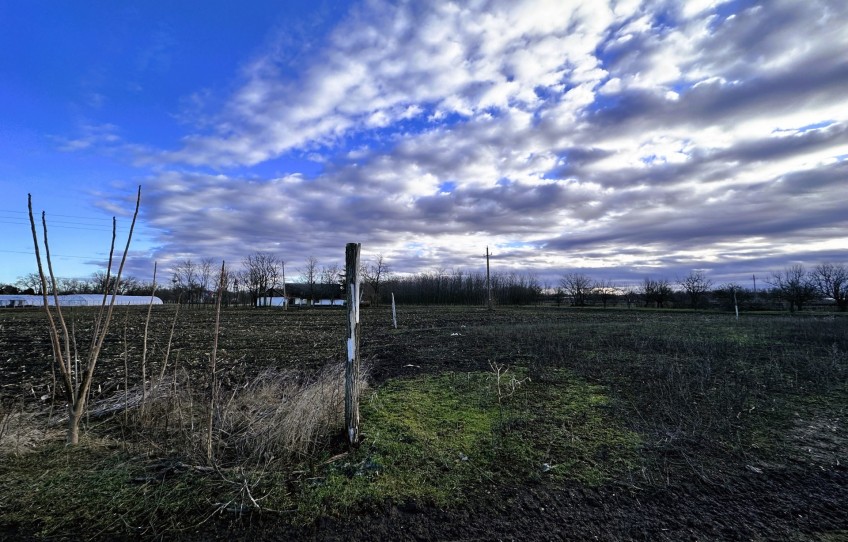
{"points": [[622, 137]]}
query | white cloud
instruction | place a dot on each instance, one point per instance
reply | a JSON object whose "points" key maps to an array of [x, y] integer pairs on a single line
{"points": [[92, 135], [580, 126], [389, 60]]}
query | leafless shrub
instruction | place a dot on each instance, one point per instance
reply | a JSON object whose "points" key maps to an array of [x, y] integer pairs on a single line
{"points": [[76, 384]]}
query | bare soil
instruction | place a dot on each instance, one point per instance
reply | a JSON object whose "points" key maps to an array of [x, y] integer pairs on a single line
{"points": [[799, 492]]}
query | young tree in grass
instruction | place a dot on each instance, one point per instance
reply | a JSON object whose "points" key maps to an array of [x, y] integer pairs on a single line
{"points": [[77, 385], [559, 294], [832, 281], [695, 285], [795, 286], [631, 295]]}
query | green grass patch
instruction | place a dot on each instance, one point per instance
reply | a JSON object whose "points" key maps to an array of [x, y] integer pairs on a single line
{"points": [[94, 490], [438, 439], [431, 439]]}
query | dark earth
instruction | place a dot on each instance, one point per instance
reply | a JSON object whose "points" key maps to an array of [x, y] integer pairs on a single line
{"points": [[799, 494]]}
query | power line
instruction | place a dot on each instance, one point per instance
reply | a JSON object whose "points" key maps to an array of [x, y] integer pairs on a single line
{"points": [[84, 223], [32, 253], [51, 214], [62, 227]]}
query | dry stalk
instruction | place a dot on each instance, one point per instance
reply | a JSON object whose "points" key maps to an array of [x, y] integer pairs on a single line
{"points": [[170, 339], [144, 347], [222, 280]]}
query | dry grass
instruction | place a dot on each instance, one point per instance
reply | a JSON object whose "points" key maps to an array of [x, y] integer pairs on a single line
{"points": [[23, 432], [278, 417]]}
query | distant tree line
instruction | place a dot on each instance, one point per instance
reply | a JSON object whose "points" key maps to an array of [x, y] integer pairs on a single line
{"points": [[791, 288], [257, 276], [460, 287], [262, 275], [30, 284]]}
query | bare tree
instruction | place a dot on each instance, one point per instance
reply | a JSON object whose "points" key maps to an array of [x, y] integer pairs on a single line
{"points": [[276, 275], [578, 286], [605, 290], [99, 282], [102, 282], [309, 275], [330, 276], [696, 285], [732, 294], [832, 281], [656, 292], [185, 279], [631, 295], [231, 288], [205, 272], [376, 273], [261, 273], [30, 282], [69, 285], [795, 286], [128, 285]]}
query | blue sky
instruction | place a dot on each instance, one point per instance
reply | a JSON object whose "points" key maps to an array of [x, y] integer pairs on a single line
{"points": [[620, 138]]}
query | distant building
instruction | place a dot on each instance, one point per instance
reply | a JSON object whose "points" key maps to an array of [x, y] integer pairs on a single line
{"points": [[75, 300], [298, 302]]}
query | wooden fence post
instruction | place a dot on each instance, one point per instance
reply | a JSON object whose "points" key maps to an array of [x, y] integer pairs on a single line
{"points": [[394, 312], [352, 365], [735, 304]]}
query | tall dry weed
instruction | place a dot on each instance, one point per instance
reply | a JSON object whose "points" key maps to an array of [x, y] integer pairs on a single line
{"points": [[279, 417]]}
